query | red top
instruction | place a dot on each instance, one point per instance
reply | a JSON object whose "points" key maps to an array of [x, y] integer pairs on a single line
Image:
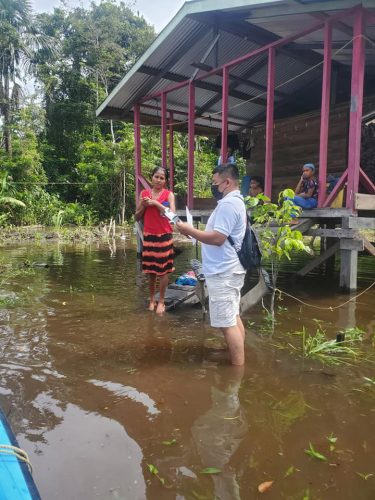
{"points": [[153, 221]]}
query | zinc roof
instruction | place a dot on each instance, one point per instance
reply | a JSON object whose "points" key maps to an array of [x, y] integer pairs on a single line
{"points": [[206, 34]]}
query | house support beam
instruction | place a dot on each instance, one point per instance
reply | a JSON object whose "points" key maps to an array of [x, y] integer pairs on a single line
{"points": [[191, 146], [171, 152], [270, 121], [324, 120], [164, 130], [224, 116], [137, 150], [349, 263], [356, 105]]}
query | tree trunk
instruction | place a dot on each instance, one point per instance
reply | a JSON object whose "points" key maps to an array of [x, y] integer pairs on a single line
{"points": [[7, 117]]}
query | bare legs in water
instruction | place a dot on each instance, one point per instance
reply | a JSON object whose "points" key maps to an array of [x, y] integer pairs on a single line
{"points": [[163, 283]]}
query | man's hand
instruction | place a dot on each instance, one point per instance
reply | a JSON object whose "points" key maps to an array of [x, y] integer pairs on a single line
{"points": [[184, 228]]}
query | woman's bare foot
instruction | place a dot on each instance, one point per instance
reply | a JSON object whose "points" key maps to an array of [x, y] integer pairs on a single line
{"points": [[160, 308], [151, 306]]}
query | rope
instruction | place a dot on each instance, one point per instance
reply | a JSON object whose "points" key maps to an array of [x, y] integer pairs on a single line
{"points": [[16, 452], [265, 92], [330, 308]]}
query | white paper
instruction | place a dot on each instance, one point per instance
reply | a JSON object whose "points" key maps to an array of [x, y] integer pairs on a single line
{"points": [[189, 220]]}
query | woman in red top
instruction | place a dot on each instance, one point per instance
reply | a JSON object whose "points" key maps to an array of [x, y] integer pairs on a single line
{"points": [[157, 254]]}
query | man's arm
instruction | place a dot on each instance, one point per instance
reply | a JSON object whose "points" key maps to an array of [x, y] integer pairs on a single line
{"points": [[208, 237]]}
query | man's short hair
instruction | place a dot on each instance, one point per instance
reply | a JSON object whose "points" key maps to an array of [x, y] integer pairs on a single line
{"points": [[228, 170]]}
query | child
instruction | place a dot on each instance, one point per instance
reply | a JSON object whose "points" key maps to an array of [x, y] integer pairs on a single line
{"points": [[256, 186], [157, 254], [307, 188]]}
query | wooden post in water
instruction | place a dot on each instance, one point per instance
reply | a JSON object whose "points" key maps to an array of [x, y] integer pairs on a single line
{"points": [[349, 259]]}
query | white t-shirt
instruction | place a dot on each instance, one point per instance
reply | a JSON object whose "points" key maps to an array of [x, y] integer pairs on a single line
{"points": [[229, 218]]}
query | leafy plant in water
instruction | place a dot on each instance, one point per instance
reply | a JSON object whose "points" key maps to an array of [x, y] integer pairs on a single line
{"points": [[291, 470], [329, 351], [155, 472], [315, 454], [170, 442], [365, 476], [210, 470], [332, 441], [57, 219], [278, 239]]}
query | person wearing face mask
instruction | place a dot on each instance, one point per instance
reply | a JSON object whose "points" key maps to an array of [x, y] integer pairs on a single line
{"points": [[221, 266]]}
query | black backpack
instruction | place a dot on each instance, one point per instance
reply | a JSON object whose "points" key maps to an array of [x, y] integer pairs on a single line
{"points": [[250, 254]]}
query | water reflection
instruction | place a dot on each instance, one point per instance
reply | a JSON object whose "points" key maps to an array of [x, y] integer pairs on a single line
{"points": [[218, 433]]}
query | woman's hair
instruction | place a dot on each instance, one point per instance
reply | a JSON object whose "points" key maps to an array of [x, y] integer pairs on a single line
{"points": [[163, 169]]}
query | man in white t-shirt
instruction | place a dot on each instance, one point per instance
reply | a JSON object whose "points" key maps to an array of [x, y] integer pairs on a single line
{"points": [[221, 266]]}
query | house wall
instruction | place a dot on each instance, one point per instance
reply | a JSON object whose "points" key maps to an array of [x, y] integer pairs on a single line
{"points": [[296, 141]]}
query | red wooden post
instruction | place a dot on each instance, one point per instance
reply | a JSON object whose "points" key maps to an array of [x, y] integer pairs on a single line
{"points": [[324, 117], [224, 116], [269, 122], [191, 145], [137, 149], [164, 130], [171, 153], [356, 103]]}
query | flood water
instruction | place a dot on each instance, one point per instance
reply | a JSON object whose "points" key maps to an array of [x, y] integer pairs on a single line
{"points": [[98, 390]]}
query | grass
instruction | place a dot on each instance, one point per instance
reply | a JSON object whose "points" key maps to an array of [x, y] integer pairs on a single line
{"points": [[345, 349]]}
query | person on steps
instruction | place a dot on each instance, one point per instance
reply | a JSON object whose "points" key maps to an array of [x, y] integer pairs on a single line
{"points": [[306, 193]]}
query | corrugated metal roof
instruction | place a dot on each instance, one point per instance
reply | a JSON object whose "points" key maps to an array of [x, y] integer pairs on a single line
{"points": [[243, 26]]}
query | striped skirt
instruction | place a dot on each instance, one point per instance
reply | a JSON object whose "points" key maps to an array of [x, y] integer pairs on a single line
{"points": [[157, 254]]}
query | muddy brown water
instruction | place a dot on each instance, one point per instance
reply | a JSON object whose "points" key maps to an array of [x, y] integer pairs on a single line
{"points": [[93, 384]]}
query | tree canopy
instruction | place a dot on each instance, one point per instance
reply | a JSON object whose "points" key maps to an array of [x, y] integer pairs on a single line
{"points": [[55, 155]]}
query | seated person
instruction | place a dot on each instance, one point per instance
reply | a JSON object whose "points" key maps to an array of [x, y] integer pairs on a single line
{"points": [[307, 188], [232, 145], [230, 157], [256, 186]]}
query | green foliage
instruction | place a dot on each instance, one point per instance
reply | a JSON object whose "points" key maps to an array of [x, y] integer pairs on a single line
{"points": [[155, 472], [58, 156], [210, 470], [329, 351], [278, 239], [315, 454]]}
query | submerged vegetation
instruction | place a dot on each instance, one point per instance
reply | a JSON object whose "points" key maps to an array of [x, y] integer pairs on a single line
{"points": [[346, 349]]}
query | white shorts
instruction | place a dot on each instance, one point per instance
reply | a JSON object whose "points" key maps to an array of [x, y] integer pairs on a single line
{"points": [[224, 291]]}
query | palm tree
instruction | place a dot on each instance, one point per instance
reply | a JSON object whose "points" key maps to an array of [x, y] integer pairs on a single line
{"points": [[5, 200], [19, 43]]}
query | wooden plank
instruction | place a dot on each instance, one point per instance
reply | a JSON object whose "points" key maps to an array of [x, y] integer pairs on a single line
{"points": [[303, 225], [318, 260], [351, 244], [331, 233], [361, 222], [364, 201], [369, 246], [326, 213]]}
